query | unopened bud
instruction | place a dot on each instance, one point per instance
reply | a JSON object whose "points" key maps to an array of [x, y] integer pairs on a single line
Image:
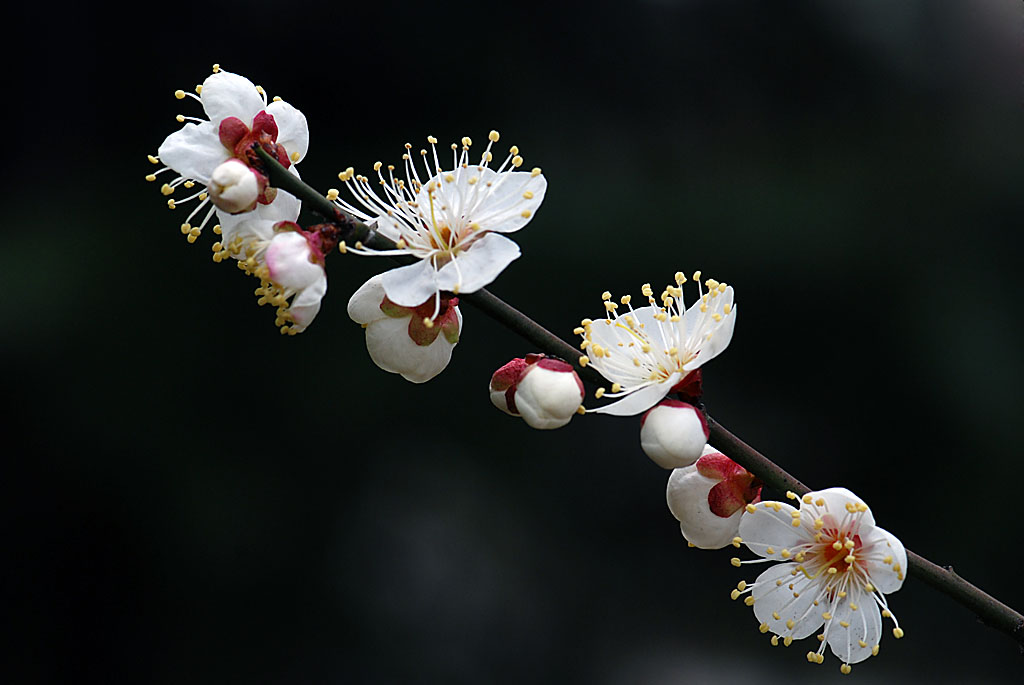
{"points": [[545, 392], [234, 187], [694, 499], [288, 260], [673, 434]]}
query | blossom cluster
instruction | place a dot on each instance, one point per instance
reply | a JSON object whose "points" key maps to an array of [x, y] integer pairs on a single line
{"points": [[447, 224]]}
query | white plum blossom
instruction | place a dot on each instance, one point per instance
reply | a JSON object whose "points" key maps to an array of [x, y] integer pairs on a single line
{"points": [[416, 342], [837, 566], [451, 220], [649, 352], [673, 434], [708, 499], [545, 392], [238, 118], [288, 261]]}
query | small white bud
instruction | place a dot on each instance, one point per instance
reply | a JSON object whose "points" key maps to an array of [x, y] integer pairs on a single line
{"points": [[234, 187], [288, 261], [548, 394], [673, 434], [545, 392]]}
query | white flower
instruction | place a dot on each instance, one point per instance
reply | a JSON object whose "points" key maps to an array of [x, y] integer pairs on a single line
{"points": [[651, 351], [288, 261], [545, 392], [838, 567], [673, 434], [415, 342], [708, 498], [452, 222], [239, 118]]}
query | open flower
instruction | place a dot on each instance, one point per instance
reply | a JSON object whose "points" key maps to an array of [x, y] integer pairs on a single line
{"points": [[545, 392], [837, 568], [649, 352], [416, 342], [239, 118], [452, 222], [288, 260], [708, 498]]}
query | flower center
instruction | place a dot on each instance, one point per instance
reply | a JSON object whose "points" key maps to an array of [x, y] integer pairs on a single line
{"points": [[832, 557]]}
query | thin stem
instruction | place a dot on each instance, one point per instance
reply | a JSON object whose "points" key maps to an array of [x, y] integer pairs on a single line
{"points": [[988, 609]]}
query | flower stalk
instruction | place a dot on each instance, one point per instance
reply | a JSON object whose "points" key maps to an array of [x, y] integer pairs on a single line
{"points": [[988, 609]]}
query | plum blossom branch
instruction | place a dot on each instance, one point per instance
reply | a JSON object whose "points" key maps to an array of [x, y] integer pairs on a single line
{"points": [[988, 609]]}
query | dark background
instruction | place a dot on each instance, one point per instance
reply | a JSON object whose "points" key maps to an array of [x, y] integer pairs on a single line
{"points": [[190, 497]]}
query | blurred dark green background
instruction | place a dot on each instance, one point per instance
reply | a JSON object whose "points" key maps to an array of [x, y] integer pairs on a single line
{"points": [[190, 497]]}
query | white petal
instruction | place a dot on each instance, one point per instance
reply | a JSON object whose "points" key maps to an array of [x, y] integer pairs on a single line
{"points": [[720, 332], [687, 497], [639, 401], [259, 223], [364, 305], [477, 266], [411, 285], [306, 304], [229, 95], [391, 348], [194, 151], [608, 334], [767, 529], [865, 624], [292, 129], [506, 209], [285, 207], [834, 502], [883, 544], [773, 595]]}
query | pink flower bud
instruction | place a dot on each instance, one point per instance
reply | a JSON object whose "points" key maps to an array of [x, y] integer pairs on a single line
{"points": [[234, 187], [673, 434], [545, 392], [291, 261], [708, 499]]}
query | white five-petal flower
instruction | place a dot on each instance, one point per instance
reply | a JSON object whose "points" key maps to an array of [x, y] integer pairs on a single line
{"points": [[238, 114], [837, 568], [648, 352], [288, 261], [452, 222]]}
